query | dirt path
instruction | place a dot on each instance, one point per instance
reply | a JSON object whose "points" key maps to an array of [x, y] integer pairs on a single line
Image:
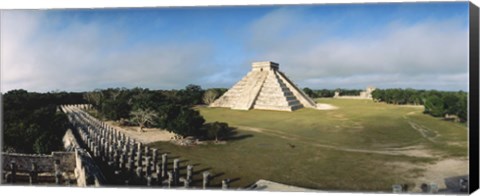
{"points": [[426, 133], [148, 136]]}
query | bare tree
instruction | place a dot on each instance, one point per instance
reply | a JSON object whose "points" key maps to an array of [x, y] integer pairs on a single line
{"points": [[142, 117], [210, 96], [94, 97], [115, 93]]}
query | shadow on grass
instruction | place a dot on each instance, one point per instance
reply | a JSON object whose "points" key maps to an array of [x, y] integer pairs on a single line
{"points": [[184, 166], [196, 172], [234, 135], [218, 175], [182, 161]]}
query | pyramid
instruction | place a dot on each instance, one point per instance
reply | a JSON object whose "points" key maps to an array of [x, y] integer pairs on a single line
{"points": [[264, 87]]}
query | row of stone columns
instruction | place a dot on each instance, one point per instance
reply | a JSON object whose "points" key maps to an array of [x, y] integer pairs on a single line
{"points": [[129, 159]]}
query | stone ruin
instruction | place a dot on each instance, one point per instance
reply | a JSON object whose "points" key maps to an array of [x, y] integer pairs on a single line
{"points": [[98, 155], [366, 94], [265, 87], [57, 167]]}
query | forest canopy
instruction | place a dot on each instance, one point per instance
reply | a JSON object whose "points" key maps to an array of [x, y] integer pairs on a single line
{"points": [[32, 123]]}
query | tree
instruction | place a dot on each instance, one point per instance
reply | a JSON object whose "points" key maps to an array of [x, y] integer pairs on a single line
{"points": [[450, 103], [94, 98], [209, 96], [31, 122], [378, 95], [217, 130], [191, 95], [462, 111], [143, 117], [434, 106], [180, 120], [188, 123], [309, 92], [46, 143]]}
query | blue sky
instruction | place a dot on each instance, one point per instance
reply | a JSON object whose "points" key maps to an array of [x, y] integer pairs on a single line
{"points": [[395, 45]]}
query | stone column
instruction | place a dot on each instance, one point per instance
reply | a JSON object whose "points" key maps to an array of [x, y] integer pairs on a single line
{"points": [[154, 159], [89, 143], [158, 171], [139, 147], [225, 183], [132, 154], [189, 172], [98, 140], [110, 152], [105, 154], [139, 174], [432, 188], [122, 161], [139, 159], [125, 149], [118, 176], [147, 150], [170, 179], [186, 183], [149, 180], [13, 173], [463, 183], [58, 172], [96, 152], [131, 170], [206, 179], [33, 174], [396, 188], [116, 160], [164, 165], [176, 171], [148, 167], [102, 144]]}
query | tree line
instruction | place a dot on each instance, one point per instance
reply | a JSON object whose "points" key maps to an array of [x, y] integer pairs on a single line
{"points": [[32, 123], [319, 93], [436, 103], [166, 109]]}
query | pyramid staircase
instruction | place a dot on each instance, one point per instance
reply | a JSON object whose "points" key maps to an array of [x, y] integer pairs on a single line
{"points": [[264, 87]]}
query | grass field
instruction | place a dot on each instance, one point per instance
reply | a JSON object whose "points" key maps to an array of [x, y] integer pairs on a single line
{"points": [[359, 146]]}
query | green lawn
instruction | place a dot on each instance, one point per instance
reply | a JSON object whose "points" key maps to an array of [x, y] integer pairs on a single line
{"points": [[317, 149]]}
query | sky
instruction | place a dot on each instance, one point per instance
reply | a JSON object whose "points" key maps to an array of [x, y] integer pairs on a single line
{"points": [[386, 45]]}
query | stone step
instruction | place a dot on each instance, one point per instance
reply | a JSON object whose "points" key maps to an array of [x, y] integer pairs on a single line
{"points": [[278, 102], [279, 92], [281, 108]]}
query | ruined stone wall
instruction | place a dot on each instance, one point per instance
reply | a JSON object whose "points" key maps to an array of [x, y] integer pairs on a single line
{"points": [[70, 143], [45, 163]]}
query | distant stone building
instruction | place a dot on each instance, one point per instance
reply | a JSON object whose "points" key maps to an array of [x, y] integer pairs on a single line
{"points": [[264, 87], [367, 94]]}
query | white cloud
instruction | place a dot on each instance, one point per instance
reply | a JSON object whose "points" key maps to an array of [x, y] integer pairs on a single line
{"points": [[88, 55], [43, 53], [431, 49]]}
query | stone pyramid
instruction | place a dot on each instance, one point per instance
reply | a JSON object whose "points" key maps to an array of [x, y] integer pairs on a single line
{"points": [[264, 87]]}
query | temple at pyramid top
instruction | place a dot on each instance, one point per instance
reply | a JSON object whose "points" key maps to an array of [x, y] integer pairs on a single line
{"points": [[264, 65], [264, 87]]}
